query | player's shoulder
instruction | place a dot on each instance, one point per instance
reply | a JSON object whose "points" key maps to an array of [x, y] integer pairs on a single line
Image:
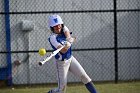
{"points": [[53, 35], [66, 28]]}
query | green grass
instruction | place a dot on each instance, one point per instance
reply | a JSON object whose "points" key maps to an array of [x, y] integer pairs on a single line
{"points": [[119, 88], [133, 87]]}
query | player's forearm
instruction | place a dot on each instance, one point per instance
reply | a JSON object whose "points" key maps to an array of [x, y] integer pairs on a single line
{"points": [[65, 49]]}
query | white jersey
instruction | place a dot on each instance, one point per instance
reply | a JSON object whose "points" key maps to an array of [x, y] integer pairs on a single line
{"points": [[57, 40]]}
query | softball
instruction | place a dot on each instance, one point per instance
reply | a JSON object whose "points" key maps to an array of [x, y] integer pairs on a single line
{"points": [[42, 51]]}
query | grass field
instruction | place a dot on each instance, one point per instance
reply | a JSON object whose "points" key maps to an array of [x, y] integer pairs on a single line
{"points": [[133, 87]]}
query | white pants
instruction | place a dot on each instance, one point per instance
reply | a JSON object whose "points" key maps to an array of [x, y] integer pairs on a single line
{"points": [[63, 67]]}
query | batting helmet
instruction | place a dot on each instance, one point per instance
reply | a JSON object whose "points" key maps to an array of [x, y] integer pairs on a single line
{"points": [[55, 20]]}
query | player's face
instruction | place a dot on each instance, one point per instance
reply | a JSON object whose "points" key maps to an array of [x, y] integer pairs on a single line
{"points": [[57, 29]]}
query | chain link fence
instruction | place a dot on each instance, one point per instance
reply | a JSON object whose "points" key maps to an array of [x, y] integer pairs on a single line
{"points": [[92, 22]]}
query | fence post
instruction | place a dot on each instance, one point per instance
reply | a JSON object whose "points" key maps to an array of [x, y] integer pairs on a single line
{"points": [[115, 42], [8, 42]]}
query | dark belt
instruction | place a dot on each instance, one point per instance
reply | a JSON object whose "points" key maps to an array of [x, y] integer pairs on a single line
{"points": [[65, 59]]}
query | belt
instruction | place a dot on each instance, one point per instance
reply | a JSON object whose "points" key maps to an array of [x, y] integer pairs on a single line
{"points": [[64, 59]]}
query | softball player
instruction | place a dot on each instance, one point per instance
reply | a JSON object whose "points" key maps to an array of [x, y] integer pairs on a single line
{"points": [[64, 60]]}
